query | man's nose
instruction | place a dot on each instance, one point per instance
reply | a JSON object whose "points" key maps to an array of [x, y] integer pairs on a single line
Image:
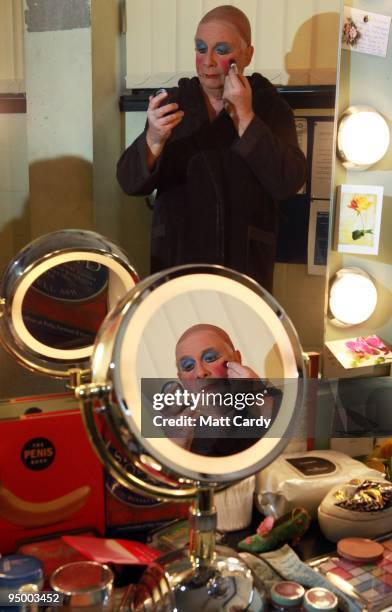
{"points": [[202, 370], [209, 58]]}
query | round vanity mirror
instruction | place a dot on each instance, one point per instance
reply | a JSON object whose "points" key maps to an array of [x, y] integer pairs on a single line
{"points": [[55, 295], [206, 372]]}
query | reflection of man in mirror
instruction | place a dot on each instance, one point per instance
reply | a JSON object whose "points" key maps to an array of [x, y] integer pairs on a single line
{"points": [[206, 351], [209, 367], [221, 150]]}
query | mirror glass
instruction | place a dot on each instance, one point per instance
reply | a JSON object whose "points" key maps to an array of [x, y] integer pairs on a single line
{"points": [[50, 168], [66, 305], [206, 365]]}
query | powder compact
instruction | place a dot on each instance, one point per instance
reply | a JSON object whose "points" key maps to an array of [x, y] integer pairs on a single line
{"points": [[318, 599], [360, 549], [287, 594]]}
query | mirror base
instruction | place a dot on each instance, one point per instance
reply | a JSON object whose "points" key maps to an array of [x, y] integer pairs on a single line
{"points": [[172, 582]]}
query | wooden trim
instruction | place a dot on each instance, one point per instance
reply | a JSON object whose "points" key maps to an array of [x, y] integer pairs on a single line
{"points": [[12, 103], [307, 96]]}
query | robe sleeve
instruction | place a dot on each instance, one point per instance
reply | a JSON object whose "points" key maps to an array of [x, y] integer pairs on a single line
{"points": [[132, 172], [271, 150]]}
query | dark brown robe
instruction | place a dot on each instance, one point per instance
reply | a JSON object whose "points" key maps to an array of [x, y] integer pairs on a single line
{"points": [[217, 194]]}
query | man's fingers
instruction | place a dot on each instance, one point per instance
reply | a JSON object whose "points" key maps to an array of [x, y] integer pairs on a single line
{"points": [[168, 108], [232, 366], [243, 80], [155, 101], [171, 118], [234, 78]]}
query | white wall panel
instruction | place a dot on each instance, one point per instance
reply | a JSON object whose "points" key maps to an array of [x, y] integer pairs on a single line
{"points": [[11, 46], [295, 40]]}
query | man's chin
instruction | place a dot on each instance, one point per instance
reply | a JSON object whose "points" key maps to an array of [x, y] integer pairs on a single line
{"points": [[215, 83]]}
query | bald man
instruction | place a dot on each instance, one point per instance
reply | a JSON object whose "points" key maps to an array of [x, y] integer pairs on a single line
{"points": [[206, 351], [221, 150], [207, 362]]}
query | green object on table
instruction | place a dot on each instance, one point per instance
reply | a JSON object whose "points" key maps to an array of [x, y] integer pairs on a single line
{"points": [[291, 526]]}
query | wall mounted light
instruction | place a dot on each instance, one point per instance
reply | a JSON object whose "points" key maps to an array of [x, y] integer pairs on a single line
{"points": [[363, 137], [352, 297]]}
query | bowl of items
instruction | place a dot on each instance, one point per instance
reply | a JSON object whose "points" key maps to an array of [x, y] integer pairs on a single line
{"points": [[360, 508]]}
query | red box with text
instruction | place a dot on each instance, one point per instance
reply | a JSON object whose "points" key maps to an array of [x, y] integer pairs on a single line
{"points": [[50, 478]]}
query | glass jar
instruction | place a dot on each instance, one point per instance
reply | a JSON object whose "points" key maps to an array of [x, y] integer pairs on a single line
{"points": [[84, 584]]}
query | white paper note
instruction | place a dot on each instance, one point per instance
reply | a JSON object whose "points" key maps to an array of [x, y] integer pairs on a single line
{"points": [[322, 159], [365, 32]]}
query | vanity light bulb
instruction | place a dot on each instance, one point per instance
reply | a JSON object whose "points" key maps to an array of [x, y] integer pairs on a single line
{"points": [[353, 298], [363, 137]]}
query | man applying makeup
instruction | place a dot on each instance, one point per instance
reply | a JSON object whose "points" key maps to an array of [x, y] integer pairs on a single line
{"points": [[209, 365], [221, 150]]}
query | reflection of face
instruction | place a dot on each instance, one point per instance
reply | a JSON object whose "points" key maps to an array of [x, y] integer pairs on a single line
{"points": [[217, 45], [203, 354]]}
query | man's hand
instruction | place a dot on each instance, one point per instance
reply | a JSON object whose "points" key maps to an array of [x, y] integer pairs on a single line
{"points": [[161, 122], [237, 370], [237, 96]]}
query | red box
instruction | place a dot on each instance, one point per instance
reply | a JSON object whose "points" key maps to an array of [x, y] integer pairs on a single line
{"points": [[50, 478]]}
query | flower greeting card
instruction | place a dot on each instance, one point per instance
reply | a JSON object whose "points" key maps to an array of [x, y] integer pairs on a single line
{"points": [[358, 219], [361, 351]]}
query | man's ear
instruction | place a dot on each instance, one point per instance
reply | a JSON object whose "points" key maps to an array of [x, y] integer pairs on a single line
{"points": [[237, 357], [248, 55]]}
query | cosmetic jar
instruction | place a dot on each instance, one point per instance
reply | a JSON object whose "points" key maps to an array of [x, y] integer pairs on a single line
{"points": [[286, 594], [318, 599], [17, 571]]}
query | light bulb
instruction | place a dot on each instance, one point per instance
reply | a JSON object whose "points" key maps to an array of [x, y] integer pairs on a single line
{"points": [[363, 137], [353, 296]]}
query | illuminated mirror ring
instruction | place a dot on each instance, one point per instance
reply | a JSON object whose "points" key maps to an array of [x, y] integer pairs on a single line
{"points": [[49, 291], [145, 327]]}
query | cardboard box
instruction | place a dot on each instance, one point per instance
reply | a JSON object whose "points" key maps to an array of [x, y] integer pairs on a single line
{"points": [[50, 478]]}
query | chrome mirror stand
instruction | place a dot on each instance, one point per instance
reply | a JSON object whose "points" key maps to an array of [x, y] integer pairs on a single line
{"points": [[201, 577]]}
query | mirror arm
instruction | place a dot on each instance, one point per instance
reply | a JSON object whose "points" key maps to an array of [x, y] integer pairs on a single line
{"points": [[77, 377], [87, 395]]}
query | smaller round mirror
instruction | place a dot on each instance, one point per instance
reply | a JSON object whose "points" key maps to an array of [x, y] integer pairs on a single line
{"points": [[55, 295]]}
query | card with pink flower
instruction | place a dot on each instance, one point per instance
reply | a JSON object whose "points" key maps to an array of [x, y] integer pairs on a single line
{"points": [[361, 351], [358, 219]]}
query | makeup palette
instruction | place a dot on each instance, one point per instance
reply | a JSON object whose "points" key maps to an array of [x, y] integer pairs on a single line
{"points": [[368, 583]]}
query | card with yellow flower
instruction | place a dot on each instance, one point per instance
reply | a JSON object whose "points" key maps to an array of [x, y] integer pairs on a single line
{"points": [[358, 219]]}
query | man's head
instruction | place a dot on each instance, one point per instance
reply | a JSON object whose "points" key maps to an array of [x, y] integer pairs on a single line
{"points": [[222, 36], [203, 352]]}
